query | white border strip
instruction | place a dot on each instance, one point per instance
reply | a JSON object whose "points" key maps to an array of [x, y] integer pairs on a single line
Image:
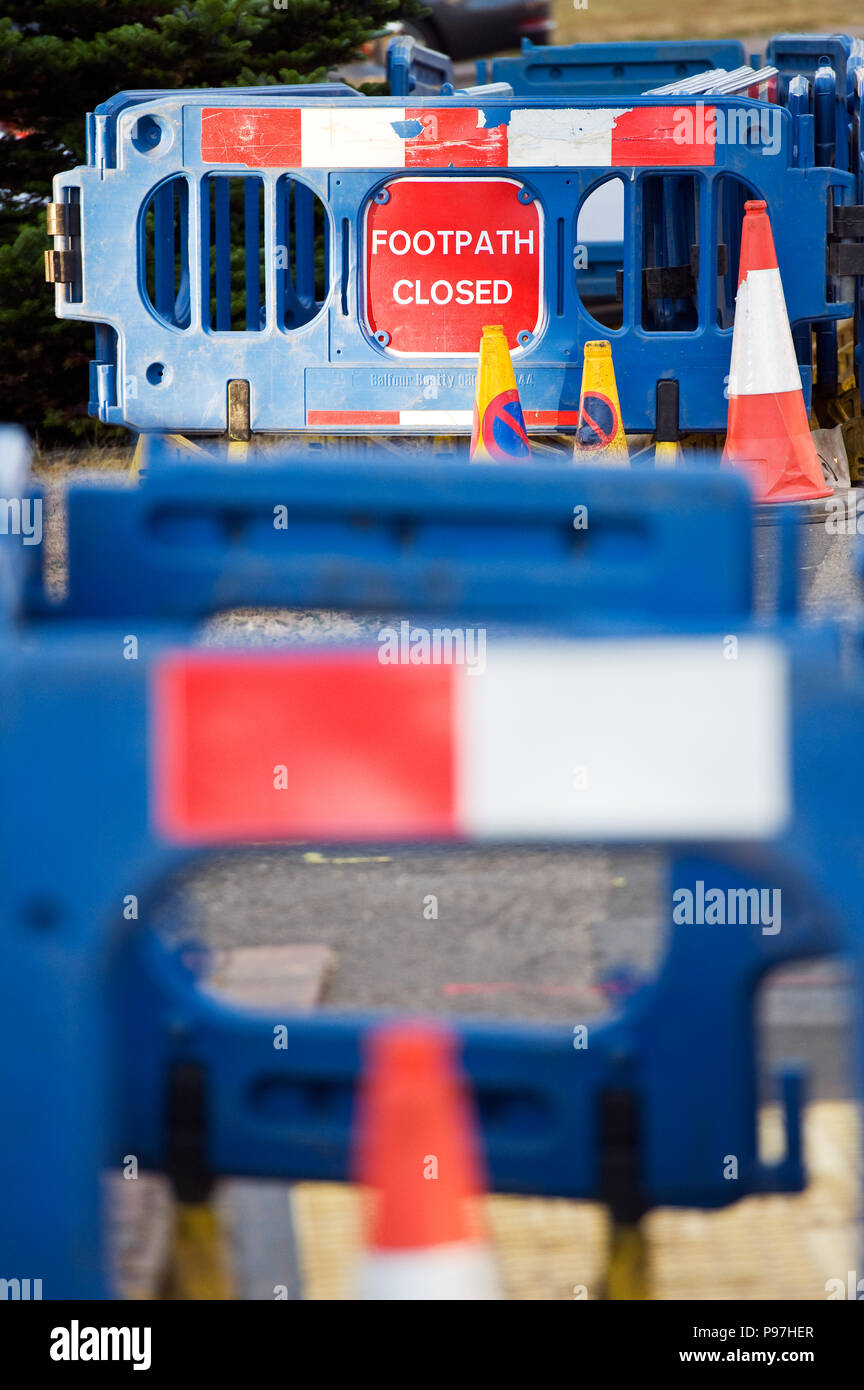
{"points": [[334, 137], [545, 139]]}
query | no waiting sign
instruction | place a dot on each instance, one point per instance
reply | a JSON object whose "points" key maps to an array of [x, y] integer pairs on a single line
{"points": [[444, 256]]}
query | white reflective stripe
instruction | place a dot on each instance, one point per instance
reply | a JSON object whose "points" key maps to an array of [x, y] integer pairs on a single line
{"points": [[644, 738], [332, 138], [763, 354], [552, 138], [458, 1271], [457, 418]]}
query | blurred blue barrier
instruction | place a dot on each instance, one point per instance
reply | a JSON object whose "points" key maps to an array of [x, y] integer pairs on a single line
{"points": [[104, 1032]]}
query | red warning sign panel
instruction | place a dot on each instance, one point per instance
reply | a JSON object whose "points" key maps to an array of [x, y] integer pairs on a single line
{"points": [[444, 256]]}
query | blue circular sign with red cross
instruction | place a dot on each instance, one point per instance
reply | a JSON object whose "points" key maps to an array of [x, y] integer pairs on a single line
{"points": [[598, 420], [502, 428]]}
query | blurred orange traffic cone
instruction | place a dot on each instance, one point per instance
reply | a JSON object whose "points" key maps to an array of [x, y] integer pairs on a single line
{"points": [[418, 1159], [768, 434], [499, 434]]}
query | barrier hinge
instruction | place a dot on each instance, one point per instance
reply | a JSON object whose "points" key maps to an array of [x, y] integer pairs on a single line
{"points": [[62, 267], [678, 281], [848, 220], [63, 219], [668, 282], [620, 1155], [845, 258], [186, 1160]]}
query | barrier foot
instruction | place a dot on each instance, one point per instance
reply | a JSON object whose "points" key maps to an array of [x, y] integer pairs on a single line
{"points": [[239, 420], [138, 466], [187, 446], [197, 1266], [667, 454], [139, 456], [627, 1271]]}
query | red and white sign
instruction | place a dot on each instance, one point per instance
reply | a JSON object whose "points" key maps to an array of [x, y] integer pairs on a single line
{"points": [[368, 136], [337, 746], [444, 256]]}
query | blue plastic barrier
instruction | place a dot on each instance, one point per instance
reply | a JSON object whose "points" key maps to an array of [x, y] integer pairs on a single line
{"points": [[413, 70], [102, 1029], [195, 538], [249, 258], [600, 69], [838, 57]]}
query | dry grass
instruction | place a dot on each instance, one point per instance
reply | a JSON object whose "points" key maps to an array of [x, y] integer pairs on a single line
{"points": [[674, 19], [52, 463]]}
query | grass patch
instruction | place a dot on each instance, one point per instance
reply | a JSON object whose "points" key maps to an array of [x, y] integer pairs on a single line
{"points": [[48, 462]]}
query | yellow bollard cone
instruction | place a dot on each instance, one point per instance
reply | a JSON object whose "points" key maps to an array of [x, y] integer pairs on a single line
{"points": [[499, 434], [600, 436]]}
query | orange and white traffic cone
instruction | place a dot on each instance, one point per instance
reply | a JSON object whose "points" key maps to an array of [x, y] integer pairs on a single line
{"points": [[417, 1157], [499, 434], [768, 434]]}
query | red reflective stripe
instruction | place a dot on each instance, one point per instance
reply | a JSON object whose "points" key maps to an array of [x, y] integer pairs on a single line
{"points": [[535, 418], [368, 749], [453, 136], [269, 137], [259, 138], [647, 135], [352, 417]]}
